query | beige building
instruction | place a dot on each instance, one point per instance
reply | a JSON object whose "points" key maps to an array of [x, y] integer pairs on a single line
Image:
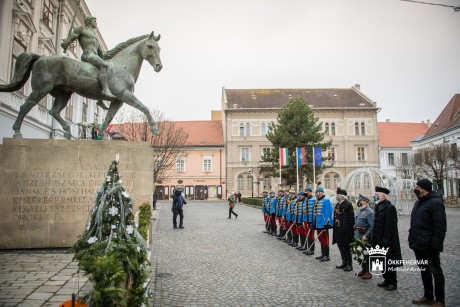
{"points": [[348, 117]]}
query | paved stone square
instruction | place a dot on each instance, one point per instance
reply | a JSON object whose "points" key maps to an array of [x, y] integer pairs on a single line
{"points": [[219, 262]]}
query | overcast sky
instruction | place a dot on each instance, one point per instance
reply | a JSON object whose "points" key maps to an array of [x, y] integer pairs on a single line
{"points": [[405, 56]]}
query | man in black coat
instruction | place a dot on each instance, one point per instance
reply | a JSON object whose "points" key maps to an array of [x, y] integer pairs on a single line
{"points": [[344, 220], [426, 237], [386, 235]]}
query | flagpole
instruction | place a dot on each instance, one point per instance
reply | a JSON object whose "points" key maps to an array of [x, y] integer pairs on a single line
{"points": [[314, 175], [297, 168]]}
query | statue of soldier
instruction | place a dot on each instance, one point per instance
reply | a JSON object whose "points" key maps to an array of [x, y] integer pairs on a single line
{"points": [[92, 52]]}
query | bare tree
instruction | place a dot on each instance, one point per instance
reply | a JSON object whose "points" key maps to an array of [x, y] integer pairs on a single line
{"points": [[406, 168], [168, 145], [434, 162]]}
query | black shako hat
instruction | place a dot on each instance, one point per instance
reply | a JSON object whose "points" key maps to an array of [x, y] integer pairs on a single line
{"points": [[382, 190], [425, 184], [341, 191]]}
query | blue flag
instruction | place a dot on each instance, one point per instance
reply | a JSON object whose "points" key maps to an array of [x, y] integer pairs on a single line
{"points": [[318, 156]]}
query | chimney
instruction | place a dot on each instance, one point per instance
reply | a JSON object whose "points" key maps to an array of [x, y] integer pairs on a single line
{"points": [[357, 86], [387, 120], [423, 121], [428, 121]]}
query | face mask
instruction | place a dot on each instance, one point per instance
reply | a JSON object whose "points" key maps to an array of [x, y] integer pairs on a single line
{"points": [[359, 204], [337, 198], [417, 192], [376, 197]]}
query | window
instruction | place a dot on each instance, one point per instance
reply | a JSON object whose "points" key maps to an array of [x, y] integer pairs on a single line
{"points": [[96, 115], [241, 129], [363, 129], [180, 165], [245, 129], [263, 129], [84, 111], [333, 129], [331, 153], [367, 181], [391, 158], [249, 181], [240, 182], [327, 182], [18, 48], [248, 132], [404, 158], [356, 128], [361, 153], [48, 13], [69, 109], [267, 185], [326, 128], [207, 164], [244, 152], [266, 152], [336, 180]]}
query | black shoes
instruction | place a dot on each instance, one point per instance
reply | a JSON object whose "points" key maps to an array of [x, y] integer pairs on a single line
{"points": [[391, 287], [325, 258], [181, 227], [175, 227], [383, 284], [348, 268], [320, 257], [309, 252], [343, 265]]}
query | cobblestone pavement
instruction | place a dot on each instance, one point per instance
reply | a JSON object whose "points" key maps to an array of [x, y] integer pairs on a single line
{"points": [[220, 262]]}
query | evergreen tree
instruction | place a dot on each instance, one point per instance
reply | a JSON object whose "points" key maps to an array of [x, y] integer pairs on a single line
{"points": [[111, 251], [296, 127]]}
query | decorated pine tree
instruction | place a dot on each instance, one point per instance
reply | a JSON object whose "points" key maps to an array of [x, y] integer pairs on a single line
{"points": [[111, 251]]}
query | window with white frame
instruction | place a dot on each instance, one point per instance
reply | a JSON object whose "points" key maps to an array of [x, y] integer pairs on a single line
{"points": [[84, 111], [249, 181], [332, 128], [266, 152], [356, 128], [248, 129], [363, 129], [180, 165], [244, 154], [263, 129], [69, 109], [391, 158], [336, 180], [404, 158], [241, 129], [361, 153], [327, 182], [267, 185], [240, 182], [245, 129], [207, 164], [326, 128], [18, 48], [331, 153]]}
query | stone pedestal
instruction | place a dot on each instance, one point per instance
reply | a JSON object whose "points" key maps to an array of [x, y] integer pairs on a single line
{"points": [[48, 187]]}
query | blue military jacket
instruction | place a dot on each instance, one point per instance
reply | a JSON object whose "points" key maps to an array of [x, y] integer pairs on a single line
{"points": [[300, 208], [290, 215], [323, 214], [265, 204], [279, 206], [272, 205], [310, 206]]}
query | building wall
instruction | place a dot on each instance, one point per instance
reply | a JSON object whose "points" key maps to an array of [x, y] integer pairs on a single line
{"points": [[195, 182], [23, 28], [255, 173]]}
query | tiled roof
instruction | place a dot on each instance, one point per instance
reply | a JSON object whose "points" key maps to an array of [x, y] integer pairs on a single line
{"points": [[200, 132], [316, 98], [449, 118], [396, 135], [203, 132]]}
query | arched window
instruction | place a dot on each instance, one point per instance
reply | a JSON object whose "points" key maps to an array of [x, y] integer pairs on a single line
{"points": [[333, 129], [326, 128], [356, 128], [363, 129], [336, 180], [241, 129], [263, 129]]}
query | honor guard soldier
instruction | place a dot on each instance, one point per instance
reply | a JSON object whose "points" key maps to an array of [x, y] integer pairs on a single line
{"points": [[342, 234], [308, 218], [323, 220], [284, 224], [279, 211], [364, 226], [300, 228], [272, 212], [265, 210], [290, 211]]}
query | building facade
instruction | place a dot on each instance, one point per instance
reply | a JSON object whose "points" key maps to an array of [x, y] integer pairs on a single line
{"points": [[395, 144], [200, 172], [38, 26], [348, 118]]}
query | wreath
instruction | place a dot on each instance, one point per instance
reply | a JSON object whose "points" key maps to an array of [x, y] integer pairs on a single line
{"points": [[359, 250]]}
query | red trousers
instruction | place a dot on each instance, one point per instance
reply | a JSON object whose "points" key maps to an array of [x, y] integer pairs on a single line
{"points": [[323, 236]]}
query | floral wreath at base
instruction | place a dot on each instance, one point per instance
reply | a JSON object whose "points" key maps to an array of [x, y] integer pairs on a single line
{"points": [[359, 250]]}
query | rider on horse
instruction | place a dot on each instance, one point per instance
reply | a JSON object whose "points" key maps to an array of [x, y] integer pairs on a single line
{"points": [[92, 52]]}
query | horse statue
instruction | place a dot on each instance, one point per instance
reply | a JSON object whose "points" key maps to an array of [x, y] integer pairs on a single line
{"points": [[61, 76]]}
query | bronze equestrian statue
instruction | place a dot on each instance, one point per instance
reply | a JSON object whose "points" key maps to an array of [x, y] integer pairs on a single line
{"points": [[61, 76]]}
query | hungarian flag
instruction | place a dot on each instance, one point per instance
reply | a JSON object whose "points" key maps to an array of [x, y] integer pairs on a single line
{"points": [[284, 156], [300, 151]]}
